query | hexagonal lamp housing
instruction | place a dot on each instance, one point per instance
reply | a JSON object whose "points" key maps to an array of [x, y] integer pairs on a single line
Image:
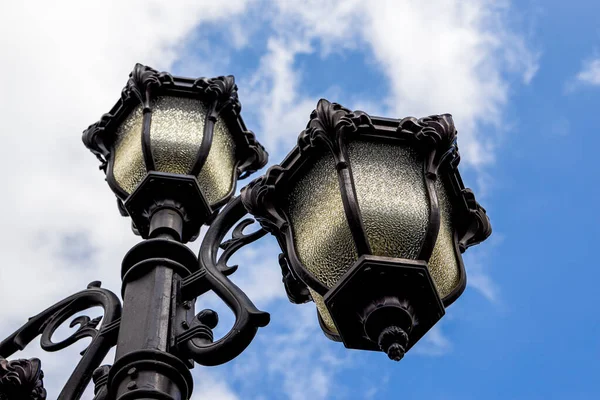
{"points": [[172, 126]]}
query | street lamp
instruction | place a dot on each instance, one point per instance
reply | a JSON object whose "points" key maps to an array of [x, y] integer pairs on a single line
{"points": [[371, 215]]}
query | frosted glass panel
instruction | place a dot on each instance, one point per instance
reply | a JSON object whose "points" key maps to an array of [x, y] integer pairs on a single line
{"points": [[443, 264], [392, 197], [128, 167], [216, 177], [323, 239], [176, 133], [322, 236]]}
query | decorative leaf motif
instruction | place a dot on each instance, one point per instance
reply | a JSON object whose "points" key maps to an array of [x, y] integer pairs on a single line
{"points": [[479, 227], [93, 140], [21, 380], [256, 156], [438, 134], [295, 289], [258, 199], [329, 123], [222, 89], [141, 81], [437, 131], [238, 240]]}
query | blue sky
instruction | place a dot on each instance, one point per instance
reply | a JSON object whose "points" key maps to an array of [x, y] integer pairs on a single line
{"points": [[522, 80]]}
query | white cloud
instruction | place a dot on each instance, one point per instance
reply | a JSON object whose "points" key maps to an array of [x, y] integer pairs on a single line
{"points": [[434, 343], [481, 281], [307, 368], [67, 62], [478, 275], [212, 386], [590, 72], [274, 94], [438, 56]]}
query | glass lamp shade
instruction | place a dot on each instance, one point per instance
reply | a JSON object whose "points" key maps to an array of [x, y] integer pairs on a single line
{"points": [[360, 188], [176, 133], [184, 130], [394, 204]]}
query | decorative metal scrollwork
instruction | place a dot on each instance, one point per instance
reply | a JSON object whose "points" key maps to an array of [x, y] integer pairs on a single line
{"points": [[196, 342], [238, 240], [21, 378]]}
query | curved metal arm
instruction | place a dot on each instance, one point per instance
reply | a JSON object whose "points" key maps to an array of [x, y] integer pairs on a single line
{"points": [[248, 318], [48, 321]]}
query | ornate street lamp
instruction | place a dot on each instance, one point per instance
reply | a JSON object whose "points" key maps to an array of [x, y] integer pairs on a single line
{"points": [[371, 215], [174, 143]]}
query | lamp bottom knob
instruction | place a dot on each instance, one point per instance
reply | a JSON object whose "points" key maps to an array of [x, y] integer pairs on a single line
{"points": [[388, 323], [393, 341]]}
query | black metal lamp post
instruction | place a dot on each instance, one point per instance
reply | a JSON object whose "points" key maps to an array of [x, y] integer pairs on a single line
{"points": [[371, 215]]}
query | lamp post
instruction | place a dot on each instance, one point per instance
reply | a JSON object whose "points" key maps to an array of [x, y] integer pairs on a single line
{"points": [[371, 215]]}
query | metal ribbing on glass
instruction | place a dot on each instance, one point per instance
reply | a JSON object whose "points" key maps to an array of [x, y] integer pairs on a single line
{"points": [[146, 142], [433, 227], [350, 200], [462, 279], [207, 137]]}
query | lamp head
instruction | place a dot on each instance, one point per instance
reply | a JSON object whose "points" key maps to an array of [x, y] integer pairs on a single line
{"points": [[372, 217], [177, 143]]}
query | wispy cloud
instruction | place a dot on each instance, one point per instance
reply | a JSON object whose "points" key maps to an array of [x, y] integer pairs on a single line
{"points": [[211, 385], [434, 343], [478, 274], [590, 72], [588, 75], [438, 57], [307, 368]]}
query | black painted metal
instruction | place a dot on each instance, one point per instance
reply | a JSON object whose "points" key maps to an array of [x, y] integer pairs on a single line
{"points": [[260, 198], [147, 140], [149, 374], [151, 272], [144, 85], [158, 334], [329, 127], [431, 135], [49, 320], [159, 325], [179, 193], [21, 379], [433, 225], [222, 91], [166, 221], [100, 379], [247, 317], [296, 290], [331, 123], [207, 138], [377, 303]]}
